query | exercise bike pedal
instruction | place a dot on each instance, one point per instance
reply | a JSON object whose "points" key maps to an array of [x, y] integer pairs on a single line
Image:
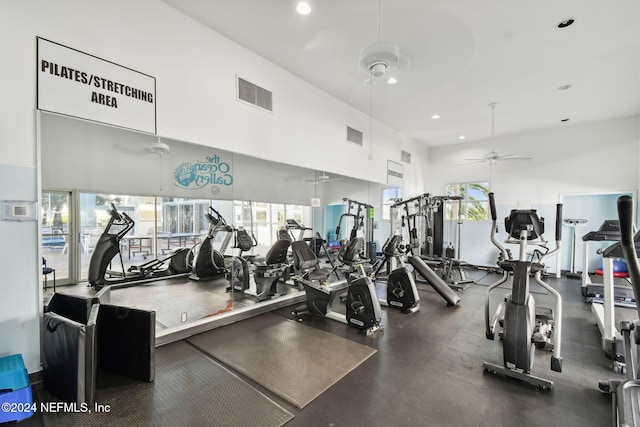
{"points": [[357, 307]]}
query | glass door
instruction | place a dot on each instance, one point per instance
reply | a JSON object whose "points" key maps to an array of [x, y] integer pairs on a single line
{"points": [[56, 231]]}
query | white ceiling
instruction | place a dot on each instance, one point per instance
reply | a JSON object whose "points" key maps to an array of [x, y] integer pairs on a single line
{"points": [[458, 56]]}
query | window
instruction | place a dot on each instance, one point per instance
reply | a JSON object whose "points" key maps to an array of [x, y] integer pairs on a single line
{"points": [[265, 219], [474, 202], [163, 224], [390, 196]]}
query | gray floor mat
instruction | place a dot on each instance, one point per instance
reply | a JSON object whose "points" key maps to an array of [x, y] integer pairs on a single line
{"points": [[189, 389], [294, 361]]}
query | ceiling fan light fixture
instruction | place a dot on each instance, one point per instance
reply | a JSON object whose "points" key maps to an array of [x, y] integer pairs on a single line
{"points": [[378, 69], [158, 148], [378, 58], [303, 8]]}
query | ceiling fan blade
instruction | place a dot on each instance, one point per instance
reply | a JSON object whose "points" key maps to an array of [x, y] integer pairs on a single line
{"points": [[472, 161], [513, 157], [129, 148]]}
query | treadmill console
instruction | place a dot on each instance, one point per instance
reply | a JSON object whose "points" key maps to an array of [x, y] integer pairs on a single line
{"points": [[608, 231]]}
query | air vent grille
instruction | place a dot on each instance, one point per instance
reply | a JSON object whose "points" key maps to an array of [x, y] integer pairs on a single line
{"points": [[254, 95], [354, 135], [405, 157]]}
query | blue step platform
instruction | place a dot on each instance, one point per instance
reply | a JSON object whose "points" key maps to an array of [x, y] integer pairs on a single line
{"points": [[16, 400]]}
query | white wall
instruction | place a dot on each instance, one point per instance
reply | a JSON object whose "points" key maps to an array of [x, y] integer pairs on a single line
{"points": [[599, 157], [195, 71], [19, 304]]}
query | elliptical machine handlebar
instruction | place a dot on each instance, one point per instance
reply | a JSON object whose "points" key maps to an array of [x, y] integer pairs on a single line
{"points": [[494, 227], [492, 205], [115, 215], [558, 222], [118, 219], [625, 215], [220, 217]]}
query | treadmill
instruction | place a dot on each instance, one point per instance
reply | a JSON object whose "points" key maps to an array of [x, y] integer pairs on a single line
{"points": [[623, 296], [603, 311]]}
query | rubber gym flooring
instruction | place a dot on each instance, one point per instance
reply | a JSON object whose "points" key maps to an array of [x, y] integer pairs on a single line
{"points": [[427, 371]]}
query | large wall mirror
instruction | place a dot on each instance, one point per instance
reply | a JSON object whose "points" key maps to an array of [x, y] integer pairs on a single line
{"points": [[176, 194]]}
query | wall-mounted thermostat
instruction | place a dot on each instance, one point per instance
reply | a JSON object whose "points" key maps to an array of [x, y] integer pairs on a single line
{"points": [[13, 210]]}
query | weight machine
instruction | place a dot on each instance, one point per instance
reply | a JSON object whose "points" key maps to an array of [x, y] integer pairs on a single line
{"points": [[362, 215], [424, 218], [411, 218]]}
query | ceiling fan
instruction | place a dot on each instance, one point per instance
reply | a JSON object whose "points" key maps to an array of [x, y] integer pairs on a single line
{"points": [[380, 60], [492, 157], [321, 179]]}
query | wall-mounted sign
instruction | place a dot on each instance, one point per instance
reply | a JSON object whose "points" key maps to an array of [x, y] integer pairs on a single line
{"points": [[212, 172], [395, 173], [77, 84]]}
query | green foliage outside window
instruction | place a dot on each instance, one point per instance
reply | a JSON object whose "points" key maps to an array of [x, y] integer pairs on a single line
{"points": [[475, 201]]}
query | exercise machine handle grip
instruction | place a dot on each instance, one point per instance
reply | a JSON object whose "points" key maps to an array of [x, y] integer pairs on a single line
{"points": [[492, 205], [559, 222], [625, 215]]}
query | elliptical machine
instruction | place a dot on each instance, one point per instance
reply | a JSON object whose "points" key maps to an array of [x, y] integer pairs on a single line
{"points": [[524, 327], [626, 393], [205, 262], [108, 246], [362, 306]]}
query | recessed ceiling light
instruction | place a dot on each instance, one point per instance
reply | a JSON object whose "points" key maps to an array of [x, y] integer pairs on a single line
{"points": [[435, 116], [564, 87], [564, 120], [392, 80], [566, 23], [303, 8], [461, 137]]}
